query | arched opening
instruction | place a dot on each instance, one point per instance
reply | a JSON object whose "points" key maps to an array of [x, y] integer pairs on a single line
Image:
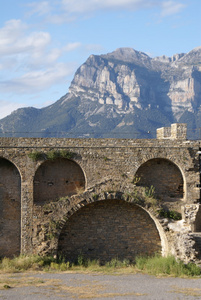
{"points": [[164, 176], [56, 179], [197, 225], [10, 212], [109, 229]]}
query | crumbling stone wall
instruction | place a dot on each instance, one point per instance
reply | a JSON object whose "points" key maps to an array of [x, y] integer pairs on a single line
{"points": [[58, 178], [10, 207], [109, 229], [164, 176], [107, 166]]}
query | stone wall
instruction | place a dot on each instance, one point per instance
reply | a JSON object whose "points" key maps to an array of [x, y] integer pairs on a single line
{"points": [[53, 191], [164, 176], [109, 229], [56, 179], [10, 209]]}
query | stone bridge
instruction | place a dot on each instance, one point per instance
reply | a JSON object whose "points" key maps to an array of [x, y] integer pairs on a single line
{"points": [[102, 198]]}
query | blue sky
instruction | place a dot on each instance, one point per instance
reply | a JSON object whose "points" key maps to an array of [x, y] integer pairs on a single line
{"points": [[42, 43]]}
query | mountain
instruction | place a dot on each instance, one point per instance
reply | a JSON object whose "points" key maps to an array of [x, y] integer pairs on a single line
{"points": [[124, 94]]}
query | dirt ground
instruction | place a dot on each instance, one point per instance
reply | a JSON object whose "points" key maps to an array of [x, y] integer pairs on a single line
{"points": [[66, 285]]}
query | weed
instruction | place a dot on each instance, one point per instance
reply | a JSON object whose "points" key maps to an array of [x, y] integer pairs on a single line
{"points": [[95, 197], [155, 265], [51, 155], [24, 262], [158, 265], [116, 263], [53, 228], [80, 260], [150, 191], [171, 214], [6, 286], [36, 155], [135, 180]]}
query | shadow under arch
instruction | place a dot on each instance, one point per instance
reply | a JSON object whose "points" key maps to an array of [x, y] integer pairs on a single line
{"points": [[57, 178], [10, 209], [109, 228], [164, 175], [197, 224]]}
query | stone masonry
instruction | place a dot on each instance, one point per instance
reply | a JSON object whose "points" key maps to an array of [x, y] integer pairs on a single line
{"points": [[110, 198]]}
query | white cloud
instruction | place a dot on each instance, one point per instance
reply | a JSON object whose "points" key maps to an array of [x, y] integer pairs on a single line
{"points": [[171, 8], [8, 107], [82, 6], [70, 10], [71, 47], [28, 60], [35, 81], [40, 8], [14, 39], [66, 11]]}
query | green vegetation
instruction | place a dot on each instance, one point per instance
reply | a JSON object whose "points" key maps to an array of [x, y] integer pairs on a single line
{"points": [[136, 179], [36, 155], [95, 197], [51, 155], [150, 191], [156, 265], [53, 228], [171, 214], [24, 263], [143, 196]]}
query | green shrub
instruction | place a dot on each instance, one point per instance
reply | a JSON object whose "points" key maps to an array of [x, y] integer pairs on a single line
{"points": [[150, 191], [158, 265], [36, 155], [116, 263], [95, 197], [24, 262], [155, 265], [171, 214], [51, 155]]}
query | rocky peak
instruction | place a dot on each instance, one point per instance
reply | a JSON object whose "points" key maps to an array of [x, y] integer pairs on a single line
{"points": [[128, 55], [124, 89], [130, 79], [193, 57]]}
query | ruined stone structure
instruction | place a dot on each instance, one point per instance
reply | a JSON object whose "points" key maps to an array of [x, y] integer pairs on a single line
{"points": [[102, 198]]}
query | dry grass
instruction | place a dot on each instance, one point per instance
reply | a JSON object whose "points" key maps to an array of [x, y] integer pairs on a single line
{"points": [[9, 281], [82, 289], [195, 292], [157, 265]]}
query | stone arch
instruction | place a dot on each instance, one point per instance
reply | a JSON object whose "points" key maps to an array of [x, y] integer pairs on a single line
{"points": [[57, 178], [109, 229], [10, 209], [164, 175]]}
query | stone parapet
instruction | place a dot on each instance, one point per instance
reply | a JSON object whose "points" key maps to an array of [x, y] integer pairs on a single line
{"points": [[176, 131]]}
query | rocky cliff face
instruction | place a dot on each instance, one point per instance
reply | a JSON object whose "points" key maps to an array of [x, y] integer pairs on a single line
{"points": [[125, 91], [129, 79]]}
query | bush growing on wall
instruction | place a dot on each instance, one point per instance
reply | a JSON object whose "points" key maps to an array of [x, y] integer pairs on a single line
{"points": [[51, 155]]}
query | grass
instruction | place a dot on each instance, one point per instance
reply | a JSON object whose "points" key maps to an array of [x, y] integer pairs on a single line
{"points": [[25, 262], [156, 265]]}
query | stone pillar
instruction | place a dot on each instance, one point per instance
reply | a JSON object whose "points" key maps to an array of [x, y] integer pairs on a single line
{"points": [[163, 133], [26, 217], [189, 212], [178, 131]]}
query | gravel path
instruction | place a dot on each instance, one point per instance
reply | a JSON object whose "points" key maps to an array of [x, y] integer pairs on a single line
{"points": [[31, 286]]}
